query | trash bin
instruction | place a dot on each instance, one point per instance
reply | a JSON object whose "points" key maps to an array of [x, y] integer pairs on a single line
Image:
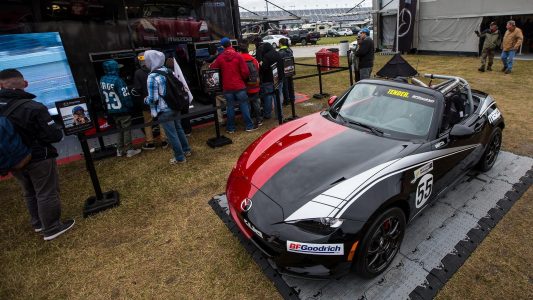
{"points": [[323, 58], [344, 45], [334, 57]]}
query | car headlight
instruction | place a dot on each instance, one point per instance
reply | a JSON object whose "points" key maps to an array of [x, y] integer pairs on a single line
{"points": [[319, 225]]}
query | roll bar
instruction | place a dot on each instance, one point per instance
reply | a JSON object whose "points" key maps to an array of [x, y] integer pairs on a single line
{"points": [[451, 83]]}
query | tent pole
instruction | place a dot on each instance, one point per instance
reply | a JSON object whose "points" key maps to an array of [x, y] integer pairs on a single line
{"points": [[397, 28]]}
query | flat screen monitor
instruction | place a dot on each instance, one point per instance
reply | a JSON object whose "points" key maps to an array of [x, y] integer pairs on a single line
{"points": [[41, 58]]}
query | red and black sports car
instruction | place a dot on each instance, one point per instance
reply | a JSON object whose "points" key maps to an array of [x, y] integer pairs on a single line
{"points": [[333, 191]]}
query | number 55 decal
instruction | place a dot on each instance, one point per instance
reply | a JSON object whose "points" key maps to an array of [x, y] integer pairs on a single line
{"points": [[423, 190]]}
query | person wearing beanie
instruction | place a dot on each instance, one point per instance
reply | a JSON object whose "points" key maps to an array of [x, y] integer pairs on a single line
{"points": [[492, 41], [234, 72]]}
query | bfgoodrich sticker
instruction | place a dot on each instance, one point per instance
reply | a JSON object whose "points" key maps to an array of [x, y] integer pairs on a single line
{"points": [[315, 249]]}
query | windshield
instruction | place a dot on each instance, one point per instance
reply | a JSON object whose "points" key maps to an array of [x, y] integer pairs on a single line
{"points": [[397, 113]]}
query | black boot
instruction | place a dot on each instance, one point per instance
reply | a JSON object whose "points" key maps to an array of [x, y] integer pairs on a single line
{"points": [[489, 68], [481, 69]]}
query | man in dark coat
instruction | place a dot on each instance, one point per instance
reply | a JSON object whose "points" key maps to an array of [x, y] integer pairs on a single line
{"points": [[39, 179], [365, 53], [268, 57]]}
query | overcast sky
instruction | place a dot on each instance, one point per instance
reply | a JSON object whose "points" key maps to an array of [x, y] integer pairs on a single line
{"points": [[259, 5]]}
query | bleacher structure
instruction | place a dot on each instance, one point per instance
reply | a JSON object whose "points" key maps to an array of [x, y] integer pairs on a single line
{"points": [[313, 15]]}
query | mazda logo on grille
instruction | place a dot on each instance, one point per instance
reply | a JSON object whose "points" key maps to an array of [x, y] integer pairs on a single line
{"points": [[246, 204]]}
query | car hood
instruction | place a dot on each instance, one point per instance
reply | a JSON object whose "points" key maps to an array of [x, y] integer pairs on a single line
{"points": [[301, 160]]}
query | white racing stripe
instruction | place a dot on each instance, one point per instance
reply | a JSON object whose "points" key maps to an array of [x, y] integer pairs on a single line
{"points": [[351, 189]]}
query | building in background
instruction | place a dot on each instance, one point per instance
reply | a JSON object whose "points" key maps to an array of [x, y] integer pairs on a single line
{"points": [[449, 25]]}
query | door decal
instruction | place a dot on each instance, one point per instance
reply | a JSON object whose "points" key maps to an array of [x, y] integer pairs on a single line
{"points": [[423, 190]]}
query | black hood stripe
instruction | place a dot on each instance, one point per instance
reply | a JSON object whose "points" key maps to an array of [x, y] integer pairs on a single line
{"points": [[323, 205]]}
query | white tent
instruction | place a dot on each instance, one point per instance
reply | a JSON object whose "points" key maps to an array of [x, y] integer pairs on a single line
{"points": [[448, 25]]}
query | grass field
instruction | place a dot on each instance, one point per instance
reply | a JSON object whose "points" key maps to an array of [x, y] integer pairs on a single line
{"points": [[164, 241]]}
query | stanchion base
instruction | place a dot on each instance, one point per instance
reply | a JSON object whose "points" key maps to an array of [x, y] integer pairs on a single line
{"points": [[219, 141], [320, 96], [105, 152], [94, 205]]}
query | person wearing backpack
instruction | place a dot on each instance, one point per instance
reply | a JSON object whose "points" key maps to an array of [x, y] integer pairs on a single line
{"points": [[269, 56], [288, 84], [252, 84], [167, 97], [27, 127], [140, 91], [234, 72], [119, 105]]}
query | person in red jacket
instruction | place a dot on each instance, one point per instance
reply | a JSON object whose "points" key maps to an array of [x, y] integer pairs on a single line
{"points": [[253, 84], [234, 72]]}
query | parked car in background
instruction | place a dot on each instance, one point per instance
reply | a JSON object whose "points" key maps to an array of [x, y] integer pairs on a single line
{"points": [[274, 39], [332, 32], [304, 37], [355, 29], [345, 31]]}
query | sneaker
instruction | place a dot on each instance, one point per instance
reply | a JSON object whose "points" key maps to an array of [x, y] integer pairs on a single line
{"points": [[260, 123], [481, 69], [174, 161], [164, 144], [188, 154], [507, 71], [38, 229], [62, 228], [251, 129], [120, 153], [148, 146], [133, 152], [188, 134], [230, 131]]}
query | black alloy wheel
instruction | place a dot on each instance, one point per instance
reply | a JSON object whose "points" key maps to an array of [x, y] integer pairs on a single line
{"points": [[381, 243], [493, 149]]}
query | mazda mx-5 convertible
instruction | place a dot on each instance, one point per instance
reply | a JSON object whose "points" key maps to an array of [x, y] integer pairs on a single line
{"points": [[333, 191]]}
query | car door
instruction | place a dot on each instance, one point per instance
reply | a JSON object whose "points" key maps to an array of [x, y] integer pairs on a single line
{"points": [[457, 154]]}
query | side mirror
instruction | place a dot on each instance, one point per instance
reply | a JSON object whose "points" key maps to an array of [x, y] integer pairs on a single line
{"points": [[459, 130], [332, 100]]}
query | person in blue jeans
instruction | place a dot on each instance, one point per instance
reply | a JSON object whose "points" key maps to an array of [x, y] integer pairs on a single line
{"points": [[169, 118], [235, 73], [512, 40]]}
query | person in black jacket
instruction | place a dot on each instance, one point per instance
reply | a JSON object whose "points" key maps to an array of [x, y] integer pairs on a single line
{"points": [[288, 85], [365, 53], [39, 179], [268, 57]]}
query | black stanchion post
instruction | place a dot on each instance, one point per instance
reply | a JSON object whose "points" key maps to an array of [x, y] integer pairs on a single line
{"points": [[101, 201], [277, 104], [293, 98], [219, 140], [349, 56]]}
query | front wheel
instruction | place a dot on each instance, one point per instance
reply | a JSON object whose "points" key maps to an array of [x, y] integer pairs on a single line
{"points": [[380, 243], [304, 42], [493, 149]]}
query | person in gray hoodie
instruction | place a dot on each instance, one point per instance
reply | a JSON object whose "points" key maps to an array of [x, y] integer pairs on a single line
{"points": [[169, 118]]}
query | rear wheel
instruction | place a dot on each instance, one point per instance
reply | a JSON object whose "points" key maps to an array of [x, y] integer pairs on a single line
{"points": [[381, 243], [304, 42], [493, 149]]}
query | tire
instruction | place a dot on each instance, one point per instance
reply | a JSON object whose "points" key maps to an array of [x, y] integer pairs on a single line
{"points": [[274, 45], [491, 153], [377, 250], [304, 42]]}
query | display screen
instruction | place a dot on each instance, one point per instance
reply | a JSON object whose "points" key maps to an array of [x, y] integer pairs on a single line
{"points": [[41, 58]]}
